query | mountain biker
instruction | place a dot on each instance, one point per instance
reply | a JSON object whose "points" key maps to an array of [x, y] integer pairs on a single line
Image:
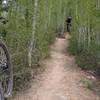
{"points": [[68, 23]]}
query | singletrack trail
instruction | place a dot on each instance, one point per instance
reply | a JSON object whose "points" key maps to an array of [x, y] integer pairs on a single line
{"points": [[61, 78]]}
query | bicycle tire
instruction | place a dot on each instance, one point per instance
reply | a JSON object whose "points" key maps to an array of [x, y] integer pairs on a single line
{"points": [[8, 91], [1, 93]]}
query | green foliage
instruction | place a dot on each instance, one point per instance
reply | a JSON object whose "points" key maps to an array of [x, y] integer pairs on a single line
{"points": [[19, 33], [88, 84], [49, 18], [85, 41]]}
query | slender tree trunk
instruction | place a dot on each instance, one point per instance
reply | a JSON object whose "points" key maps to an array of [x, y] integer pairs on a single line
{"points": [[98, 4], [33, 33], [46, 11], [63, 22]]}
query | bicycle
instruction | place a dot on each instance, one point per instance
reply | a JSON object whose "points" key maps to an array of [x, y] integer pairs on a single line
{"points": [[68, 23], [6, 72]]}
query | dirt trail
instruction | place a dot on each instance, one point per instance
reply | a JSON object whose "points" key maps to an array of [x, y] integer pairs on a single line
{"points": [[60, 80]]}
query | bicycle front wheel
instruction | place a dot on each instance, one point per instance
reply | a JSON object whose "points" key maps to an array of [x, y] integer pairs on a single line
{"points": [[6, 73]]}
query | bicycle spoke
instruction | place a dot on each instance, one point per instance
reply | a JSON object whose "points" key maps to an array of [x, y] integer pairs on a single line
{"points": [[4, 81]]}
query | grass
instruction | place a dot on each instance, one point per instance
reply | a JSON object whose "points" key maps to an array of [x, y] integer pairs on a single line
{"points": [[88, 84]]}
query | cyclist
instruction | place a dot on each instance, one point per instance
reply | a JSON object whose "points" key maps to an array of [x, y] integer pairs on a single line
{"points": [[68, 22]]}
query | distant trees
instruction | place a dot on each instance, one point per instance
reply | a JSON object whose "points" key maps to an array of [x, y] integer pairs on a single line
{"points": [[85, 35], [30, 30]]}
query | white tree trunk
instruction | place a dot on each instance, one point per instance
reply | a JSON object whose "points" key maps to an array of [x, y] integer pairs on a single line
{"points": [[63, 22], [46, 11], [97, 4], [33, 33]]}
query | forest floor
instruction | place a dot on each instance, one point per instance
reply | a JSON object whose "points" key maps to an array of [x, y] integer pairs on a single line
{"points": [[62, 79]]}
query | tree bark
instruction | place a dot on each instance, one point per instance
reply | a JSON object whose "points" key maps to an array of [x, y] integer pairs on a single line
{"points": [[33, 33]]}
